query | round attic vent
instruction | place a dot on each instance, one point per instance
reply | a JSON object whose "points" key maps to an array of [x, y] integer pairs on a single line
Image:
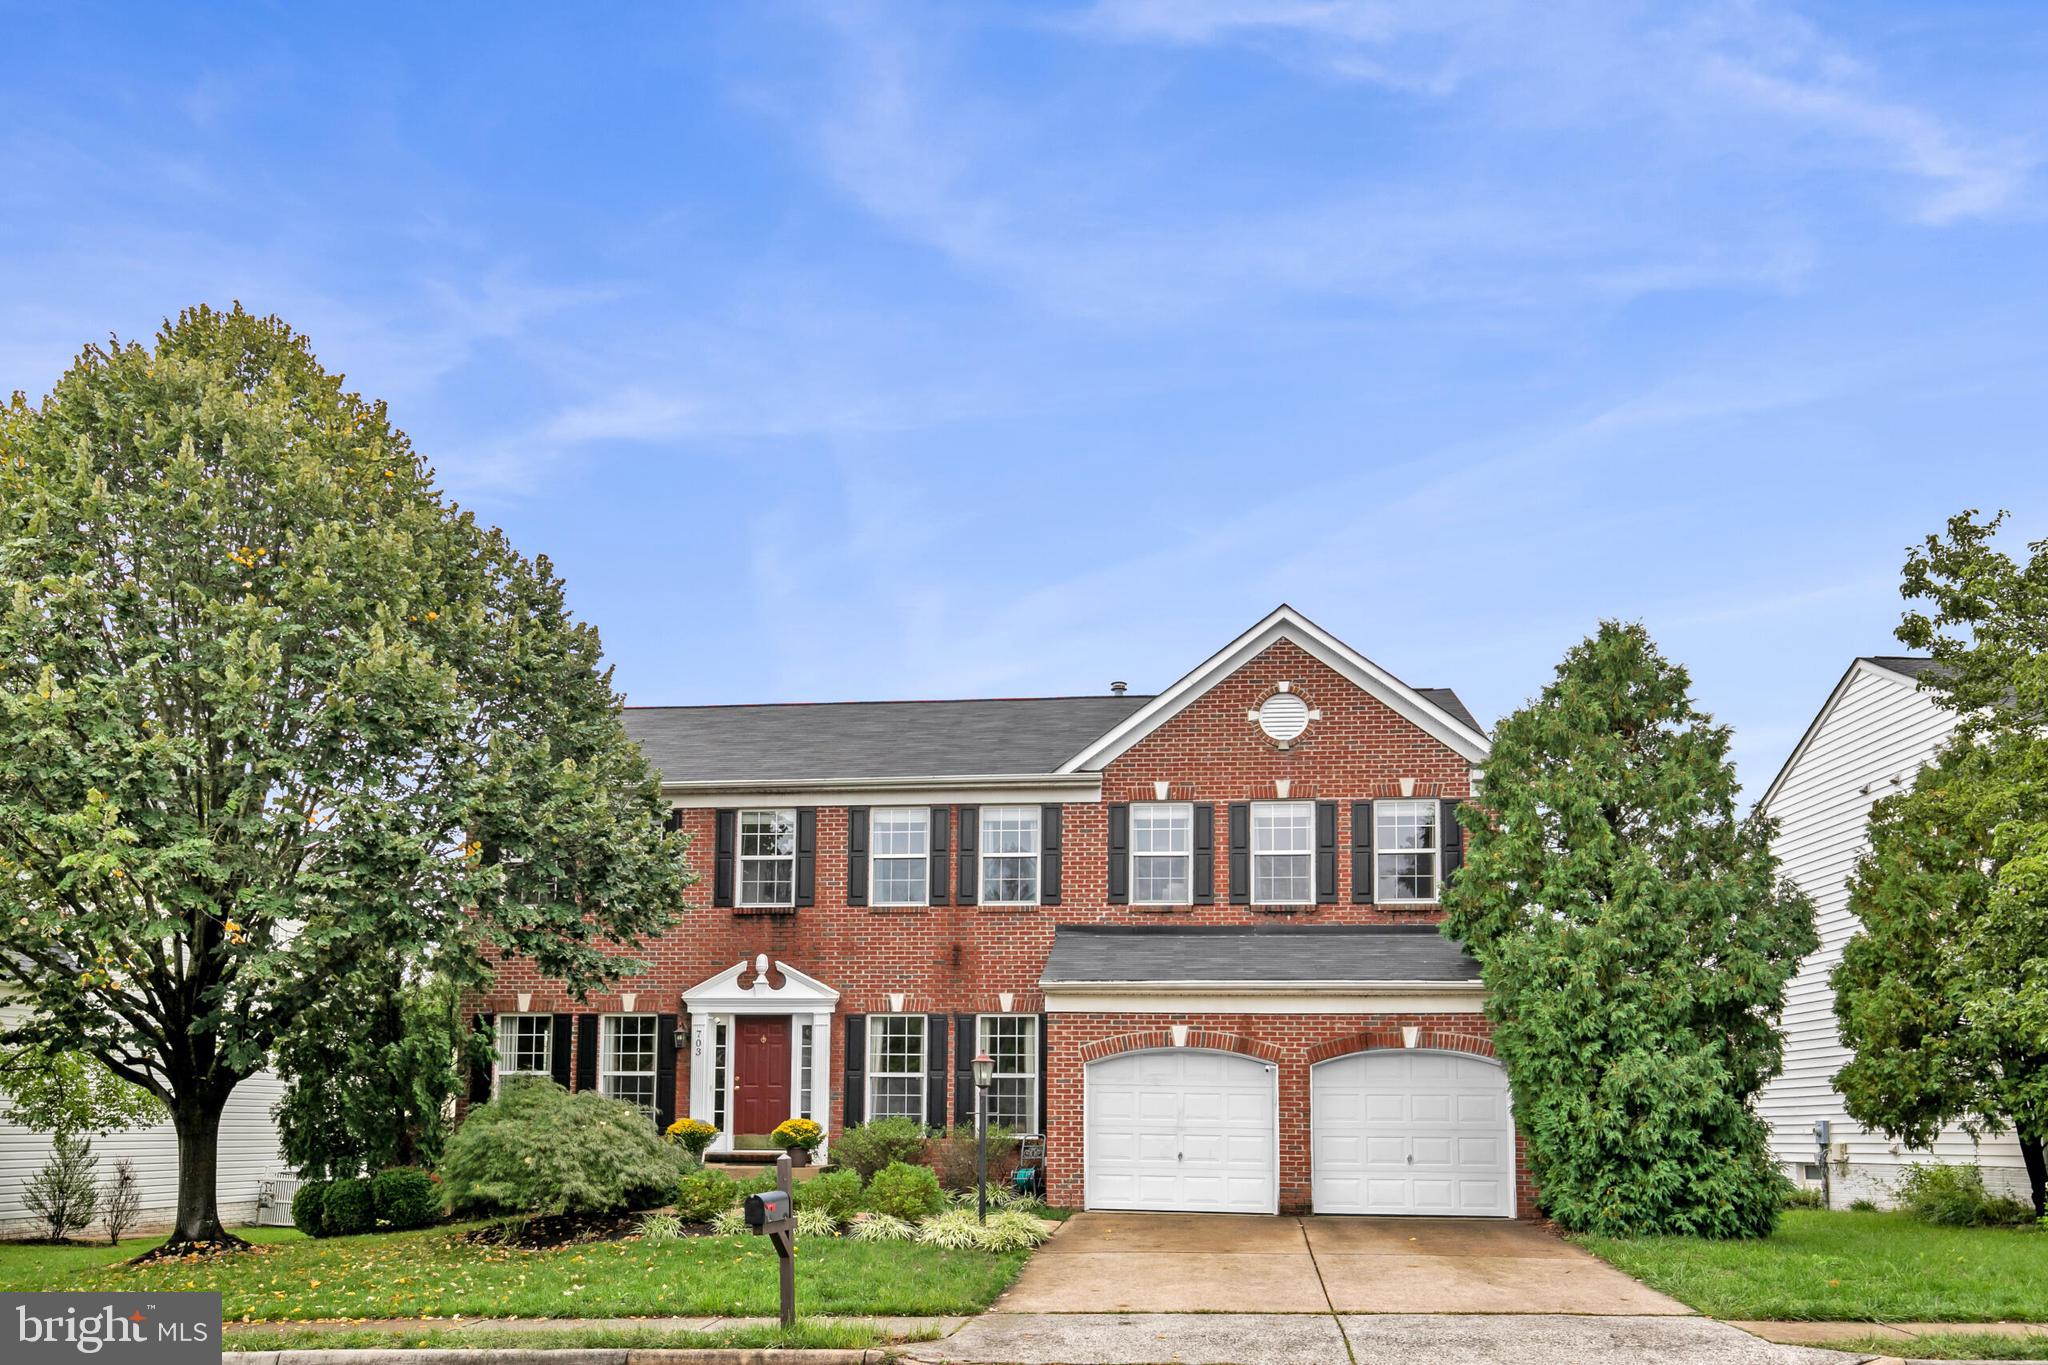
{"points": [[1283, 716]]}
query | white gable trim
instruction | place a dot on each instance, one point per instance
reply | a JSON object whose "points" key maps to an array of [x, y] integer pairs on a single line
{"points": [[724, 993], [1285, 623], [1860, 668]]}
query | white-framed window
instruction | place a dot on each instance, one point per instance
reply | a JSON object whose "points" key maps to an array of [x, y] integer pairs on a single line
{"points": [[1011, 1041], [1009, 855], [767, 856], [1162, 853], [896, 1079], [1404, 850], [526, 1045], [720, 1058], [1283, 852], [806, 1061], [899, 855], [625, 1050]]}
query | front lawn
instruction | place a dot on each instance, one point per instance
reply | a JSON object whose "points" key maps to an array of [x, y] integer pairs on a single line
{"points": [[432, 1273], [1946, 1346], [1860, 1267]]}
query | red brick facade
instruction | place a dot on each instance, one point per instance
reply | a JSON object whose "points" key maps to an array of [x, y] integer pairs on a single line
{"points": [[954, 959]]}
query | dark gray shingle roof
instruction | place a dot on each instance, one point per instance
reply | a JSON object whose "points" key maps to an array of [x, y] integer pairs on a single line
{"points": [[1905, 665], [1257, 952], [1447, 700], [871, 739]]}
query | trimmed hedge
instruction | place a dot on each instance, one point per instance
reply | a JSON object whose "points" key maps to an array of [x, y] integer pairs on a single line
{"points": [[904, 1191], [308, 1204], [348, 1209], [405, 1197]]}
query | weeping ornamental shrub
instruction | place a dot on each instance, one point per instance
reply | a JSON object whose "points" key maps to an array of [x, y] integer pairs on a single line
{"points": [[1635, 942], [537, 1149]]}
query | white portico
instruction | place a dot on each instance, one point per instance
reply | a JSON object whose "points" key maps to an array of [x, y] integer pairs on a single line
{"points": [[760, 1051]]}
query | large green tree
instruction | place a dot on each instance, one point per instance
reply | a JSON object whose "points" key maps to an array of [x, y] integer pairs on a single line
{"points": [[270, 708], [1942, 993], [1636, 943]]}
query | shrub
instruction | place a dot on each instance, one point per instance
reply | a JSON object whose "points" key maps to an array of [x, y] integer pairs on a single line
{"points": [[537, 1149], [1954, 1196], [308, 1202], [880, 1227], [905, 1191], [797, 1135], [835, 1192], [120, 1201], [692, 1135], [701, 1196], [1862, 1206], [952, 1155], [348, 1208], [1803, 1197], [816, 1223], [405, 1197], [871, 1146], [65, 1194]]}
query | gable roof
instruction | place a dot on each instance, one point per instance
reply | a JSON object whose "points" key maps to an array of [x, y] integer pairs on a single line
{"points": [[1129, 954], [1455, 729], [1905, 669], [853, 741]]}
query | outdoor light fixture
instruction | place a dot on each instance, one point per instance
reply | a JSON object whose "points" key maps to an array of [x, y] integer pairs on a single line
{"points": [[984, 1073]]}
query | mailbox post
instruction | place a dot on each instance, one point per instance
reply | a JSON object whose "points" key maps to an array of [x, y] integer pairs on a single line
{"points": [[773, 1215]]}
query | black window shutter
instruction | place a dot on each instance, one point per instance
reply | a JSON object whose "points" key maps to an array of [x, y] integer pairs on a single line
{"points": [[1326, 852], [1048, 855], [935, 1071], [1361, 853], [558, 1051], [664, 1071], [721, 864], [857, 855], [1120, 854], [969, 837], [673, 821], [1451, 835], [965, 1045], [586, 1052], [940, 860], [1044, 1090], [480, 1066], [806, 855], [1204, 888], [854, 1103], [1240, 853]]}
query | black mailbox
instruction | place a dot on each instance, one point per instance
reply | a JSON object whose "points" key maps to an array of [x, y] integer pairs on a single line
{"points": [[766, 1210]]}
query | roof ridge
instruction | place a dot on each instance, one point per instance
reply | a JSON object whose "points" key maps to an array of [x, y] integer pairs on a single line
{"points": [[883, 701]]}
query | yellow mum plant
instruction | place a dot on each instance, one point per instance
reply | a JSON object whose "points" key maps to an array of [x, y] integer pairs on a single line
{"points": [[797, 1134]]}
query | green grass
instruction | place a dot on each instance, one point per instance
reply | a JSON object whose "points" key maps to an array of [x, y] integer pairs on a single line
{"points": [[431, 1273], [1947, 1346], [807, 1334], [1860, 1267]]}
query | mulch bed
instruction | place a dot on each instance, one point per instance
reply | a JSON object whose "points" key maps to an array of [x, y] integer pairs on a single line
{"points": [[568, 1229]]}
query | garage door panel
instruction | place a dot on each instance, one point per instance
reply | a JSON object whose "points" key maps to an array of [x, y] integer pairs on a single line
{"points": [[1411, 1132], [1199, 1135]]}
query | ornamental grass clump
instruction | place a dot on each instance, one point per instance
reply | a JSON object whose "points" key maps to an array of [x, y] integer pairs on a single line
{"points": [[538, 1150], [880, 1227], [955, 1230], [730, 1222], [816, 1223], [1014, 1230]]}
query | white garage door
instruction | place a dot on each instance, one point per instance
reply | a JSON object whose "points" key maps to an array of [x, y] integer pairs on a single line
{"points": [[1412, 1132], [1182, 1129]]}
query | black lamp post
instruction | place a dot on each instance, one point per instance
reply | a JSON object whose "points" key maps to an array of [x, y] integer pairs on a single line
{"points": [[984, 1072]]}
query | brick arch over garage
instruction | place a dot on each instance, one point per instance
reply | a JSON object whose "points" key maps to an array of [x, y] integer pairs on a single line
{"points": [[1208, 1040], [1374, 1040]]}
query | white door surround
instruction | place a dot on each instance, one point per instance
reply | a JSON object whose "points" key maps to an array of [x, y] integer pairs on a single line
{"points": [[749, 989], [1181, 1128], [1412, 1131]]}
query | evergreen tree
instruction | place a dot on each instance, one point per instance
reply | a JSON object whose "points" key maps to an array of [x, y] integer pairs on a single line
{"points": [[1635, 942], [272, 708]]}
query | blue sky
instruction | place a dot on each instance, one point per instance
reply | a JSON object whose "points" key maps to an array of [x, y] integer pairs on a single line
{"points": [[998, 349]]}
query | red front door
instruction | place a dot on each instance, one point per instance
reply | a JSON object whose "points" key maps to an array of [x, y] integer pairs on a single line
{"points": [[760, 1076]]}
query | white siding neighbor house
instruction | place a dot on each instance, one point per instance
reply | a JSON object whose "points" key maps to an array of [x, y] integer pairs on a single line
{"points": [[1868, 741], [249, 1156]]}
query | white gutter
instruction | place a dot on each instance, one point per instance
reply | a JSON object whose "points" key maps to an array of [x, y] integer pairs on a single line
{"points": [[1262, 987], [833, 784]]}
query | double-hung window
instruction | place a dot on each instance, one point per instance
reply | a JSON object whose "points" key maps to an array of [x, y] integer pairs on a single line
{"points": [[1162, 853], [626, 1050], [896, 1079], [1283, 852], [1011, 1041], [767, 857], [526, 1045], [1009, 855], [1405, 848], [899, 852]]}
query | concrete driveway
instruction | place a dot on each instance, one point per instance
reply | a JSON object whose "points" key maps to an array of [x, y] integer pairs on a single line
{"points": [[1225, 1263]]}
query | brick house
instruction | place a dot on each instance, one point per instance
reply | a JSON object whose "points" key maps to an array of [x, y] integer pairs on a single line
{"points": [[1195, 931]]}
